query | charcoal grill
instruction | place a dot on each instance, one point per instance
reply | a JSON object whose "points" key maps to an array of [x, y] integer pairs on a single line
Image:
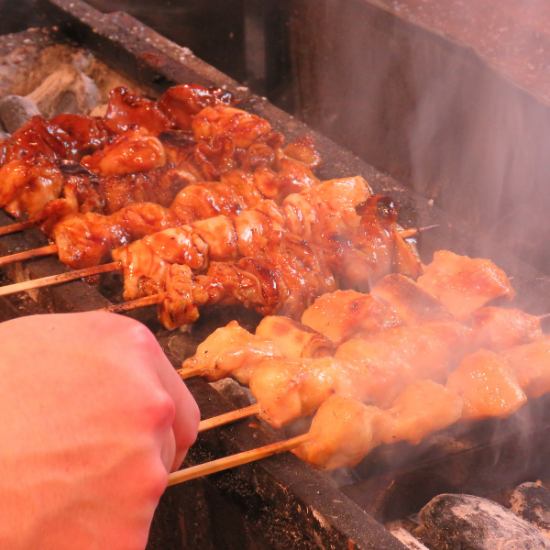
{"points": [[281, 502]]}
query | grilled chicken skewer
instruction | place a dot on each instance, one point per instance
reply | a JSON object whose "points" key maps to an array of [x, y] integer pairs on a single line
{"points": [[485, 385], [99, 164]]}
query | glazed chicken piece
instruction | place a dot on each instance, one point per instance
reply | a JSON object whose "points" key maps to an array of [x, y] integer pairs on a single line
{"points": [[530, 364], [422, 408], [180, 103], [498, 328], [248, 234], [396, 357], [134, 151], [487, 385], [343, 431], [341, 314], [284, 280], [233, 351], [27, 187], [126, 111], [39, 139], [464, 284], [227, 138], [88, 133], [87, 239]]}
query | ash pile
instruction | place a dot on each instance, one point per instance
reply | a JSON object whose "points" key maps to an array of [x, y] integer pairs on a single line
{"points": [[459, 521]]}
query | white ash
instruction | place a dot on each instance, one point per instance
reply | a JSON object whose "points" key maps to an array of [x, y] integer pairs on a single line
{"points": [[531, 501], [451, 521], [406, 538]]}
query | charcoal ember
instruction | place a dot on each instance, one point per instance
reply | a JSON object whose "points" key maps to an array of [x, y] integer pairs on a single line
{"points": [[531, 501], [451, 522], [15, 110]]}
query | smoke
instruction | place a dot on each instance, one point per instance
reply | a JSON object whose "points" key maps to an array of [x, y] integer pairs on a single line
{"points": [[465, 124]]}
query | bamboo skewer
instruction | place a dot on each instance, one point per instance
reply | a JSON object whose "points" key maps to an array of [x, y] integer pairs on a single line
{"points": [[28, 254], [235, 460], [227, 418], [52, 249], [59, 278], [95, 270], [17, 226]]}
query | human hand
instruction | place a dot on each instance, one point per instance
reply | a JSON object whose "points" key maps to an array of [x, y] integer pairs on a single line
{"points": [[93, 418]]}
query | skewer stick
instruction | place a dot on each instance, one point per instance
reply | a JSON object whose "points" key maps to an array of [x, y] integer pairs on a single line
{"points": [[28, 254], [17, 226], [52, 248], [407, 233], [58, 279], [227, 418], [135, 304], [235, 460]]}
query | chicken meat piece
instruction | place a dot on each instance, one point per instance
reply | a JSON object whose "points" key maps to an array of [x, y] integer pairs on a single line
{"points": [[288, 389], [180, 103], [88, 133], [28, 187], [134, 151], [530, 364], [146, 262], [487, 385], [292, 339], [127, 111], [87, 239], [343, 431], [303, 149], [341, 314], [412, 304], [230, 351], [284, 280], [398, 356], [422, 408], [464, 284], [498, 328]]}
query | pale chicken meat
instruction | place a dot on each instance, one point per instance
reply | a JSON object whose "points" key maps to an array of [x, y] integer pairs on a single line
{"points": [[464, 284], [230, 351], [293, 339], [487, 385], [411, 303], [422, 408], [275, 336], [530, 364], [288, 389], [343, 431], [398, 356], [500, 328]]}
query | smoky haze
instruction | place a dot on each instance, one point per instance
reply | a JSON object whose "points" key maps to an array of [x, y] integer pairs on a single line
{"points": [[460, 113]]}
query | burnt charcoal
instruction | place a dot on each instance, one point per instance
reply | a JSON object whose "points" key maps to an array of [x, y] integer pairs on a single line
{"points": [[465, 522], [15, 110], [531, 501], [405, 537]]}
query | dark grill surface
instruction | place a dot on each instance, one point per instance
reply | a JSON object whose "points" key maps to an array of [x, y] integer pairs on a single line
{"points": [[281, 502]]}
